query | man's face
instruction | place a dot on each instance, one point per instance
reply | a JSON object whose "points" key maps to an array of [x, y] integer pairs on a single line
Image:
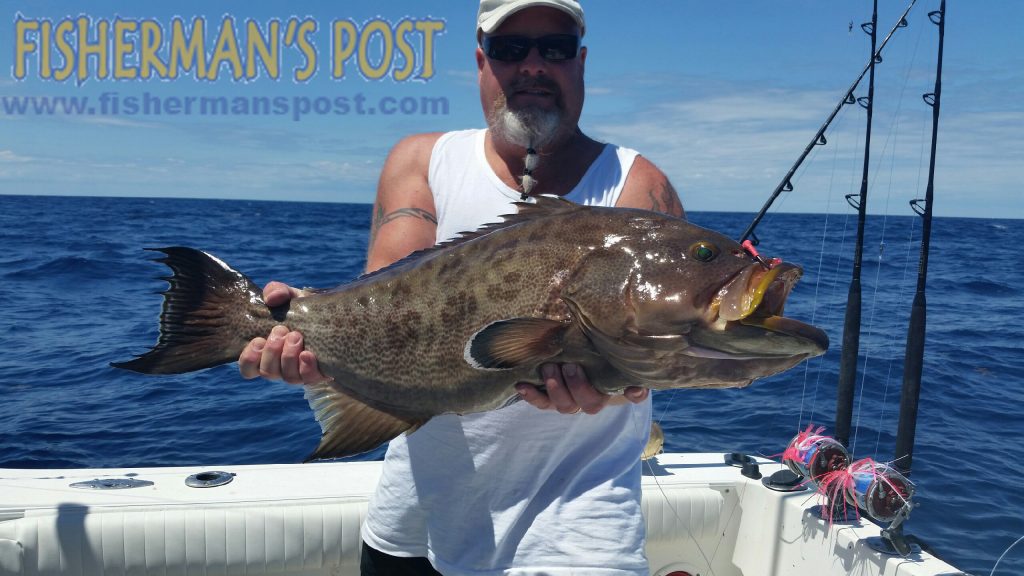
{"points": [[537, 92]]}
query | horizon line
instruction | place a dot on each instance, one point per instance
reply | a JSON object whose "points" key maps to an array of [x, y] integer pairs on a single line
{"points": [[292, 201]]}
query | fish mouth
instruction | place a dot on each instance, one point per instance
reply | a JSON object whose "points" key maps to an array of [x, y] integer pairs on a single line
{"points": [[748, 321]]}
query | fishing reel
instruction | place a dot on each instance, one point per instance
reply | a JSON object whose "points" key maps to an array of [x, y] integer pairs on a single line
{"points": [[813, 456], [821, 460], [878, 490], [885, 496]]}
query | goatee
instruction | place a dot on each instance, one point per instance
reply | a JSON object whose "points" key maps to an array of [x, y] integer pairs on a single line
{"points": [[529, 127]]}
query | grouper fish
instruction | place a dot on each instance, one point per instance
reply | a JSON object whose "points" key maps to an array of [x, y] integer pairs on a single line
{"points": [[637, 298]]}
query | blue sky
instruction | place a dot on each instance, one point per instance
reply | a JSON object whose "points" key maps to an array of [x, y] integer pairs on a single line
{"points": [[723, 96]]}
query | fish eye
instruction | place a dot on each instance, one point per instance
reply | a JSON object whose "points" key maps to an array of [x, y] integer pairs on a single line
{"points": [[704, 251]]}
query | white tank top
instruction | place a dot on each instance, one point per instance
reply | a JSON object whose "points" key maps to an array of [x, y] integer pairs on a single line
{"points": [[519, 490]]}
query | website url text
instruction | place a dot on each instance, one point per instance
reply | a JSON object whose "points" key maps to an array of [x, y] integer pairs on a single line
{"points": [[297, 107]]}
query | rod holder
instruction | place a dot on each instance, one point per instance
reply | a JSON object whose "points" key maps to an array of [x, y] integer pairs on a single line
{"points": [[892, 540]]}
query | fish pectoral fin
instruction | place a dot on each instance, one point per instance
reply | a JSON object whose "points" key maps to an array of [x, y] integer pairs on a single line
{"points": [[350, 427], [514, 342]]}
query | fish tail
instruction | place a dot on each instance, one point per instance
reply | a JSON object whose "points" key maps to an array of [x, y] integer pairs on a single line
{"points": [[210, 313]]}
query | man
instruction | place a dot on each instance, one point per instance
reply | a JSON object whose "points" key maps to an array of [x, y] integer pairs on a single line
{"points": [[548, 485]]}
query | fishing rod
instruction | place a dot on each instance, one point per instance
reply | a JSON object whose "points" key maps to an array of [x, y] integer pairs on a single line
{"points": [[914, 359], [851, 325], [786, 185]]}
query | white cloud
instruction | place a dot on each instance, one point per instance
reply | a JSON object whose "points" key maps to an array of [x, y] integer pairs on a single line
{"points": [[754, 109], [9, 156], [729, 150], [15, 166], [115, 121], [363, 172], [463, 77]]}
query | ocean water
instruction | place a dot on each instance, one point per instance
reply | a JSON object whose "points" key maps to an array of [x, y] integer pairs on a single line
{"points": [[78, 291]]}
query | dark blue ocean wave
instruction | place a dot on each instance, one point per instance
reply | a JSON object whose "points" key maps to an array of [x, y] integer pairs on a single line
{"points": [[992, 289], [77, 268], [80, 292]]}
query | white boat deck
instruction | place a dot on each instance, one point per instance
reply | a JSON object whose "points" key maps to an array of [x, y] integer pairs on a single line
{"points": [[703, 517]]}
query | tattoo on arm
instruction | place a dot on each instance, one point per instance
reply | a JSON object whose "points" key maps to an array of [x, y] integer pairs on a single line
{"points": [[665, 199], [380, 218]]}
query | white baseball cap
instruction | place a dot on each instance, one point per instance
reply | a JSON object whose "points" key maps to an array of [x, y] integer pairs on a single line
{"points": [[493, 12]]}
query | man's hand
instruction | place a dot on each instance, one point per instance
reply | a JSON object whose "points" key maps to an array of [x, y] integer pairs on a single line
{"points": [[567, 389], [280, 356]]}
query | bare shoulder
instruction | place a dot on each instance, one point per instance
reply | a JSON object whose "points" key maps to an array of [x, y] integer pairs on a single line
{"points": [[408, 159], [414, 149], [403, 179], [648, 187], [404, 216]]}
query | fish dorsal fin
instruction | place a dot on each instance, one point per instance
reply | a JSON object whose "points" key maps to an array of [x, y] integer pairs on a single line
{"points": [[349, 426], [510, 343], [544, 206]]}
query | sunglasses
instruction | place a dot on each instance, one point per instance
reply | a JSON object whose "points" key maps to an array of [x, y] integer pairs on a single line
{"points": [[553, 48]]}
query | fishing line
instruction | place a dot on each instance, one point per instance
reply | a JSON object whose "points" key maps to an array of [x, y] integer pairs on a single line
{"points": [[870, 328], [668, 403], [831, 307], [868, 352], [838, 261], [661, 489], [740, 490], [668, 502], [817, 285], [910, 243], [686, 525], [904, 283], [891, 136], [1005, 552], [892, 338], [672, 507]]}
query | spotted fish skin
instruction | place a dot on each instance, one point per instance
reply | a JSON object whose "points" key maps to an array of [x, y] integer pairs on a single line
{"points": [[637, 298]]}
